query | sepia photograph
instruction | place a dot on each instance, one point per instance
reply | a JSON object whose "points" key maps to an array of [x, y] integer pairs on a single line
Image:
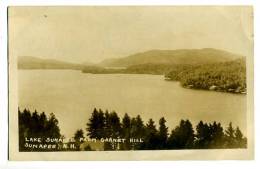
{"points": [[130, 82]]}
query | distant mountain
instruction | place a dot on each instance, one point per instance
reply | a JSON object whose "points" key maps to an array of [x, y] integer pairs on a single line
{"points": [[180, 56], [29, 62]]}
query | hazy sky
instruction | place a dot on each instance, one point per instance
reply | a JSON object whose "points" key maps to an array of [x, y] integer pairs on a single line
{"points": [[91, 34]]}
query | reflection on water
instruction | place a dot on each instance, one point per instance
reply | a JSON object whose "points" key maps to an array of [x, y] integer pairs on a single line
{"points": [[72, 96]]}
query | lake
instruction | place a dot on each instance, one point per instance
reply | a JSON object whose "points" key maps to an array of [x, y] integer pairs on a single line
{"points": [[72, 96]]}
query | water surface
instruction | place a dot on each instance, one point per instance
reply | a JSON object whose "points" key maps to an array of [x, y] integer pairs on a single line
{"points": [[72, 96]]}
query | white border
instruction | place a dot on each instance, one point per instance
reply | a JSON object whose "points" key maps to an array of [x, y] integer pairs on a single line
{"points": [[128, 2], [178, 164], [3, 85]]}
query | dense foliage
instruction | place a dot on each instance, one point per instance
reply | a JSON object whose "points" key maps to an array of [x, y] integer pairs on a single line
{"points": [[226, 76], [183, 136], [34, 126], [149, 68], [137, 135]]}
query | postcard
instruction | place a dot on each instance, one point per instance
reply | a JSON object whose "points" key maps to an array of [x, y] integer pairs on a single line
{"points": [[131, 83]]}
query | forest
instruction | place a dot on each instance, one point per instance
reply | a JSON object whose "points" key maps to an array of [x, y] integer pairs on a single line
{"points": [[105, 125], [224, 76], [36, 125], [148, 68]]}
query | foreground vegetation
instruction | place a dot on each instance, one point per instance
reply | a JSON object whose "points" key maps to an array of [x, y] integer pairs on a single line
{"points": [[35, 125], [108, 126]]}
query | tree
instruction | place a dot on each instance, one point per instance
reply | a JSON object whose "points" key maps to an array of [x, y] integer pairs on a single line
{"points": [[35, 125], [207, 136], [42, 122], [115, 124], [116, 128], [217, 136], [112, 129], [126, 125], [151, 139], [202, 136], [230, 136], [137, 130], [24, 121], [182, 137], [78, 137], [240, 141], [101, 118], [52, 127], [96, 124], [107, 125], [137, 127], [125, 134], [107, 131], [163, 133]]}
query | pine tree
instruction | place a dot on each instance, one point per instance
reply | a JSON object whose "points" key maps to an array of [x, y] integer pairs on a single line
{"points": [[137, 130], [189, 132], [24, 123], [150, 126], [240, 141], [52, 127], [137, 127], [101, 119], [238, 134], [35, 122], [151, 140], [78, 137], [230, 136], [182, 137], [126, 125], [163, 133], [115, 124], [96, 124], [203, 135], [125, 134], [107, 125], [36, 125], [107, 131], [217, 136], [116, 128], [42, 123]]}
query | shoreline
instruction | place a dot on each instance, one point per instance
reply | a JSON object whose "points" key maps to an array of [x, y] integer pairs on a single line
{"points": [[119, 71]]}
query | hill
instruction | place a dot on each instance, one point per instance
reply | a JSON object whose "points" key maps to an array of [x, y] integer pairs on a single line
{"points": [[29, 62], [180, 56]]}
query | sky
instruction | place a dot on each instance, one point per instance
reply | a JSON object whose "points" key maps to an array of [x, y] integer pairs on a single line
{"points": [[92, 34]]}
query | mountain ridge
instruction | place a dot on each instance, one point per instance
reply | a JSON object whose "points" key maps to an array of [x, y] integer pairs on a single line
{"points": [[178, 56], [31, 62], [155, 56]]}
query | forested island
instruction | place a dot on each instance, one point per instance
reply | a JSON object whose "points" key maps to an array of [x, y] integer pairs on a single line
{"points": [[107, 131]]}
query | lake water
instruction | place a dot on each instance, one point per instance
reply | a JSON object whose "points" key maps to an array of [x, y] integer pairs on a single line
{"points": [[72, 96]]}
